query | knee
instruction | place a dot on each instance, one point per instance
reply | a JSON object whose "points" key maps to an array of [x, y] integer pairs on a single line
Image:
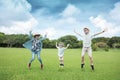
{"points": [[33, 58], [39, 58], [91, 58], [82, 57]]}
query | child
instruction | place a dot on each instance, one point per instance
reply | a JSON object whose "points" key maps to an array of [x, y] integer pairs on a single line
{"points": [[35, 46], [87, 45], [61, 49]]}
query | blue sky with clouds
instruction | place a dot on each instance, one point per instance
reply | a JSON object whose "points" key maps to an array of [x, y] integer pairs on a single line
{"points": [[60, 17]]}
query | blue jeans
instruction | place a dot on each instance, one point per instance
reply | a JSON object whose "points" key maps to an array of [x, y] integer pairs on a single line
{"points": [[33, 56]]}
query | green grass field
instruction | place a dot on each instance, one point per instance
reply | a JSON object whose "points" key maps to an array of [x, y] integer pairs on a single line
{"points": [[13, 65]]}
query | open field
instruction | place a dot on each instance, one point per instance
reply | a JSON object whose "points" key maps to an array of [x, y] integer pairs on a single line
{"points": [[13, 65]]}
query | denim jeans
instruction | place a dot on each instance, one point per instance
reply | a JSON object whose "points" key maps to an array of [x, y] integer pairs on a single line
{"points": [[33, 56]]}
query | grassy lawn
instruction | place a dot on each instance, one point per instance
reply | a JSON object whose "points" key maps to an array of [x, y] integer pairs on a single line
{"points": [[13, 65]]}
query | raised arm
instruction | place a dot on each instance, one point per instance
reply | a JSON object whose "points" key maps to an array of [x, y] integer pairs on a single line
{"points": [[56, 45], [30, 35], [43, 38], [77, 33], [67, 46], [100, 32]]}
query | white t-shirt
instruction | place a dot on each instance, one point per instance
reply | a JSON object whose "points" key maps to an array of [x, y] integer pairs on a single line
{"points": [[87, 40], [61, 51]]}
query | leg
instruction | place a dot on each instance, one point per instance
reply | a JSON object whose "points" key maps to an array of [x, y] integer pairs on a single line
{"points": [[91, 61], [91, 58], [90, 55], [32, 59], [40, 60], [82, 58], [61, 61]]}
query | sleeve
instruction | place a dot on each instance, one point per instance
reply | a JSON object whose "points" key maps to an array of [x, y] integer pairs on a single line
{"points": [[92, 36], [30, 35], [28, 45]]}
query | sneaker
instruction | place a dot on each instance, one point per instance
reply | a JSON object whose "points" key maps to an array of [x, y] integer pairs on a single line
{"points": [[29, 65], [41, 66], [92, 66], [61, 65], [82, 65]]}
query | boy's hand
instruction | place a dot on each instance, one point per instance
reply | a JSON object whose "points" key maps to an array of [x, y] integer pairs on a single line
{"points": [[68, 44]]}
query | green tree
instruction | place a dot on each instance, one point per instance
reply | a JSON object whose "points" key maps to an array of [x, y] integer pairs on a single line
{"points": [[9, 40], [113, 40], [70, 39], [2, 37], [100, 39], [20, 39]]}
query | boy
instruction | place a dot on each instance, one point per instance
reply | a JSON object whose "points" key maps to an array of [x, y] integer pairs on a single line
{"points": [[35, 46], [87, 46], [61, 50]]}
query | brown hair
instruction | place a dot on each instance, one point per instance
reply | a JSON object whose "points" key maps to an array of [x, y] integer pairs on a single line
{"points": [[36, 35], [86, 28]]}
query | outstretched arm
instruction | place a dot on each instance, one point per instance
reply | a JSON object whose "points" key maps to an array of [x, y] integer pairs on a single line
{"points": [[100, 32], [67, 46], [77, 33], [43, 38]]}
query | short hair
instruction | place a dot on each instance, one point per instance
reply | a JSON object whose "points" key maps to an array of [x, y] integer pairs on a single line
{"points": [[61, 43], [86, 28]]}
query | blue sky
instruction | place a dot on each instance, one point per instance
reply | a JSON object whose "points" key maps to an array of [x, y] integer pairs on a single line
{"points": [[60, 17]]}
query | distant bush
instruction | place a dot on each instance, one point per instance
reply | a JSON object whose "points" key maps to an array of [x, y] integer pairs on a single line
{"points": [[106, 48], [102, 45], [116, 45], [94, 47]]}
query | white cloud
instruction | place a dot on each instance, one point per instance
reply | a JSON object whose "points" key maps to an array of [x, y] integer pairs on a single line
{"points": [[115, 13], [15, 16], [19, 27], [58, 25], [70, 11], [51, 32], [113, 24], [69, 16], [100, 22]]}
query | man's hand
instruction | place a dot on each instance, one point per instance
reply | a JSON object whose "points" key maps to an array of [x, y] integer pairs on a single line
{"points": [[105, 29]]}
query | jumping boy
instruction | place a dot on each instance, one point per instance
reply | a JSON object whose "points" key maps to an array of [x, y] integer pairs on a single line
{"points": [[35, 46], [87, 45], [61, 50]]}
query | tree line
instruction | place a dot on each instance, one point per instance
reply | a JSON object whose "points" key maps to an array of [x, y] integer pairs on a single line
{"points": [[16, 40]]}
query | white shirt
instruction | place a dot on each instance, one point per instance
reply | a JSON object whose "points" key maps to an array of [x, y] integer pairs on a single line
{"points": [[87, 40], [61, 51]]}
